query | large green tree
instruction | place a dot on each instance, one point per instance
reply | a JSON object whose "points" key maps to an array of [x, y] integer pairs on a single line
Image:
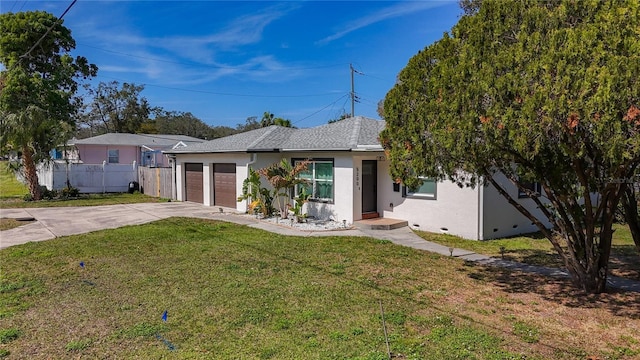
{"points": [[116, 108], [544, 91], [185, 123], [37, 87]]}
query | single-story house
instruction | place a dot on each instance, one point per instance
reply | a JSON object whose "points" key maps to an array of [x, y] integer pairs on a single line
{"points": [[349, 177], [111, 162], [119, 148]]}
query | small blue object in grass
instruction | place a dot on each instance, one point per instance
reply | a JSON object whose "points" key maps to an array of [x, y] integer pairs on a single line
{"points": [[164, 316], [82, 264], [169, 345]]}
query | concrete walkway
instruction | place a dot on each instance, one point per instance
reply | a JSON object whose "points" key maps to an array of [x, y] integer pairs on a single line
{"points": [[64, 221]]}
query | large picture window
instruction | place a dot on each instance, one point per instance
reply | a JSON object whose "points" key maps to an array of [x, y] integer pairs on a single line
{"points": [[427, 190], [319, 180], [114, 157]]}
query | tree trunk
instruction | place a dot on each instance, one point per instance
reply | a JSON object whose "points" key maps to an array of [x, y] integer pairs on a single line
{"points": [[590, 272], [630, 205], [588, 269], [30, 173]]}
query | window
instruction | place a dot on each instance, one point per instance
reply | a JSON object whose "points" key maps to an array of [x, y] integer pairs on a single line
{"points": [[113, 156], [319, 177], [531, 186], [427, 190]]}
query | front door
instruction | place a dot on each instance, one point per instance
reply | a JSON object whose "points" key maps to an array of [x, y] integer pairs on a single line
{"points": [[369, 186]]}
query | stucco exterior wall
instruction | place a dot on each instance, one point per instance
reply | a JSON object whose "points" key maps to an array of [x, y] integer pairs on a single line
{"points": [[501, 219], [340, 209], [454, 210], [342, 206], [477, 214], [208, 160], [96, 154]]}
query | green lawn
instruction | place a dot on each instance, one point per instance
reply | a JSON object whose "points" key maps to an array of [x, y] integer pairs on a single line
{"points": [[233, 292], [10, 187], [12, 194]]}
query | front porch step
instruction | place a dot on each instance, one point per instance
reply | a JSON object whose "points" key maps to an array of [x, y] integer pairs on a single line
{"points": [[370, 215], [380, 224]]}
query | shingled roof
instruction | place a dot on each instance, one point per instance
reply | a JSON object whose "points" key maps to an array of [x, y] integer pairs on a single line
{"points": [[149, 140], [351, 134]]}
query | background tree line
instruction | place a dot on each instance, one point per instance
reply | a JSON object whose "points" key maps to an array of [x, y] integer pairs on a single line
{"points": [[121, 108]]}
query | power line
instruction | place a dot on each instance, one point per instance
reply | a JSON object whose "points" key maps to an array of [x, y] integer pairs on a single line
{"points": [[48, 30], [223, 93], [333, 103]]}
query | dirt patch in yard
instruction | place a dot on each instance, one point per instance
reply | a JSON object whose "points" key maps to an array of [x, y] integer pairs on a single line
{"points": [[6, 223]]}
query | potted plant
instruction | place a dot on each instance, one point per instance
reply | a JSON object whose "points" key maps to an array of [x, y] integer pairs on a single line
{"points": [[299, 201]]}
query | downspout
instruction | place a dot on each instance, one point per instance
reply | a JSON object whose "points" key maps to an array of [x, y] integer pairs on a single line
{"points": [[254, 158], [174, 177]]}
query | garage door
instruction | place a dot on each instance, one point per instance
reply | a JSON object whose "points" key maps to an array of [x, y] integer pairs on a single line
{"points": [[193, 182], [224, 185]]}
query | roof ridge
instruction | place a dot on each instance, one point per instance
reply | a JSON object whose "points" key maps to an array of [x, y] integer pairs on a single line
{"points": [[355, 132], [270, 130]]}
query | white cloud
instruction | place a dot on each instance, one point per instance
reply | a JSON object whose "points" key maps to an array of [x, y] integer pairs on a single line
{"points": [[397, 10]]}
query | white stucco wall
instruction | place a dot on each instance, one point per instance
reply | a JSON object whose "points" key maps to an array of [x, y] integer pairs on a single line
{"points": [[207, 161], [454, 211], [341, 208], [501, 219], [477, 214]]}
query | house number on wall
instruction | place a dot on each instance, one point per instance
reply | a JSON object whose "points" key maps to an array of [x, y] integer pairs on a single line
{"points": [[358, 178]]}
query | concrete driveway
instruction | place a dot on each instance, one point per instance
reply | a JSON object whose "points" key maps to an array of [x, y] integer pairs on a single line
{"points": [[62, 221]]}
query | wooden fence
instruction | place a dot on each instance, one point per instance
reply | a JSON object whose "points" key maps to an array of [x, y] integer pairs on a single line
{"points": [[155, 181]]}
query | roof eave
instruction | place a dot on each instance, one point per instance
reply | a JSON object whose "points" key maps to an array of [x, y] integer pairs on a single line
{"points": [[317, 150], [376, 148], [263, 150]]}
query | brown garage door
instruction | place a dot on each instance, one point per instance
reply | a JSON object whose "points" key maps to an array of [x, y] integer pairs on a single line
{"points": [[224, 185], [193, 182]]}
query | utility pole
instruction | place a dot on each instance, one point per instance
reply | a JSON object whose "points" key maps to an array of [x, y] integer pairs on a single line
{"points": [[353, 92]]}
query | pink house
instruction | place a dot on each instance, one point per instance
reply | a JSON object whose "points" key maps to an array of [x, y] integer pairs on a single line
{"points": [[117, 148]]}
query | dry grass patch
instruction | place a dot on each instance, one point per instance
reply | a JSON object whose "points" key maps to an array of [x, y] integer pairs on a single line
{"points": [[536, 250], [6, 223]]}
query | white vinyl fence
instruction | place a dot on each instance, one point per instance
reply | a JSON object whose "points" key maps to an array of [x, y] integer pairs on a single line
{"points": [[88, 178]]}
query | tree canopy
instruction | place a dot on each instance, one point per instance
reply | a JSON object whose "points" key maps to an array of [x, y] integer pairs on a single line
{"points": [[116, 108], [542, 92], [174, 122], [37, 87], [269, 119]]}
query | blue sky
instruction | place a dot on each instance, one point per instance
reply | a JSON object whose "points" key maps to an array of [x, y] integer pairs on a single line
{"points": [[226, 61]]}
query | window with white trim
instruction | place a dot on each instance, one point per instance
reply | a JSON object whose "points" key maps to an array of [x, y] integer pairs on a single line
{"points": [[319, 180], [114, 157], [533, 187], [427, 190]]}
